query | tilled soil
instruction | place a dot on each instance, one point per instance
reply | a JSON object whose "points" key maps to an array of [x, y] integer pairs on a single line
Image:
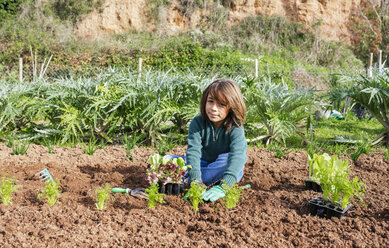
{"points": [[273, 213]]}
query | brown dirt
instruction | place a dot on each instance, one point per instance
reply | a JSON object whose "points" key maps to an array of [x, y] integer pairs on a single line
{"points": [[274, 213]]}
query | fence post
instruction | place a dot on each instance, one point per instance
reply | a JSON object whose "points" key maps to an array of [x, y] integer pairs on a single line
{"points": [[256, 67], [370, 68], [380, 60], [140, 65], [20, 69]]}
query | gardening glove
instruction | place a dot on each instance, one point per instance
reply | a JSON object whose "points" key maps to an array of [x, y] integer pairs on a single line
{"points": [[196, 181], [214, 194]]}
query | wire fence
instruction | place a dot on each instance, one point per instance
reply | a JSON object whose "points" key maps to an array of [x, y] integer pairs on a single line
{"points": [[30, 72]]}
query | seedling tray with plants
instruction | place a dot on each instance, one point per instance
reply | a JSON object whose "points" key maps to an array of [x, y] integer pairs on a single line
{"points": [[167, 173], [323, 208]]}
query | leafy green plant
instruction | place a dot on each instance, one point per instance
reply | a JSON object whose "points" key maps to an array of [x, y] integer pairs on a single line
{"points": [[333, 175], [166, 170], [326, 166], [277, 107], [386, 153], [233, 195], [363, 147], [154, 196], [278, 149], [370, 92], [20, 148], [7, 188], [91, 147], [103, 196], [51, 192], [130, 142], [195, 194], [346, 191]]}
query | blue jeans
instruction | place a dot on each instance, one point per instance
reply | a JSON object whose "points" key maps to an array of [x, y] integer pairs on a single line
{"points": [[211, 173]]}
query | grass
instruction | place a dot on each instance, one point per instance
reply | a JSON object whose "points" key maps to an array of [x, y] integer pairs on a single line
{"points": [[351, 127]]}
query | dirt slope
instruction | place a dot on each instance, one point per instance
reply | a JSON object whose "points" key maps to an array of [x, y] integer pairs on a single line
{"points": [[118, 16]]}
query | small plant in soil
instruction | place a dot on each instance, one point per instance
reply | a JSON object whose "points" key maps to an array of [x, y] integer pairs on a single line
{"points": [[166, 170], [195, 194], [233, 195], [278, 150], [20, 148], [336, 186], [130, 143], [154, 196], [325, 164], [363, 147], [103, 197], [51, 192], [386, 153], [91, 147], [7, 188]]}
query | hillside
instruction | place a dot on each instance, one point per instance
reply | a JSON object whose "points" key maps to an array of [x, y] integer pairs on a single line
{"points": [[119, 16]]}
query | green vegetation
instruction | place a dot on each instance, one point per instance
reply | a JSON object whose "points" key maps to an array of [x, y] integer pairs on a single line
{"points": [[91, 147], [154, 196], [20, 148], [333, 176], [7, 188], [51, 192], [103, 196], [195, 194], [233, 195]]}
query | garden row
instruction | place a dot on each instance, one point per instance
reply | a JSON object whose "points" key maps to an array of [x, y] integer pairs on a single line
{"points": [[155, 107], [330, 174]]}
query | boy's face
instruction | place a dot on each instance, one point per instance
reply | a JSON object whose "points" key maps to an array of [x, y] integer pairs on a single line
{"points": [[216, 111]]}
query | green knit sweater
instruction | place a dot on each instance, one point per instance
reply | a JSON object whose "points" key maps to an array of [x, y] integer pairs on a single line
{"points": [[207, 143]]}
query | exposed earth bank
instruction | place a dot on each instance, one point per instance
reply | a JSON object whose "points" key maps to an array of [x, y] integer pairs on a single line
{"points": [[274, 213]]}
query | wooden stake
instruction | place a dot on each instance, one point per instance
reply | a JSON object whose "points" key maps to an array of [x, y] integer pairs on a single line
{"points": [[140, 65], [370, 68], [380, 60], [20, 69], [256, 67]]}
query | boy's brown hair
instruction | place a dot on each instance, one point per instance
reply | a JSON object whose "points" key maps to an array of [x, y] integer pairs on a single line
{"points": [[226, 92]]}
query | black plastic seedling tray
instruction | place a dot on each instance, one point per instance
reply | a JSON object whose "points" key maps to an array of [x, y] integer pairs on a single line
{"points": [[322, 208], [171, 188], [311, 185]]}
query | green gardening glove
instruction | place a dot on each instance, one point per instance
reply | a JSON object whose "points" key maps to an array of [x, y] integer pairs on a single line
{"points": [[214, 194]]}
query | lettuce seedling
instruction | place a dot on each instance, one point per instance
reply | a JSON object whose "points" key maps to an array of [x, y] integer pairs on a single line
{"points": [[195, 194], [103, 194], [7, 188], [333, 175], [233, 195], [51, 192], [325, 165], [154, 196]]}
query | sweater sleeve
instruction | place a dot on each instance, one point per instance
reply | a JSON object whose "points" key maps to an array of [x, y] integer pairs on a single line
{"points": [[237, 156], [193, 153]]}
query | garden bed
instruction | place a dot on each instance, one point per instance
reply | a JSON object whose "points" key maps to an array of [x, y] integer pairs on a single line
{"points": [[274, 212]]}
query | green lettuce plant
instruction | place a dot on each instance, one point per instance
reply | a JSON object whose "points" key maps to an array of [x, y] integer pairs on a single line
{"points": [[233, 195], [325, 165], [51, 192], [154, 196], [333, 175], [195, 194], [103, 197], [7, 188]]}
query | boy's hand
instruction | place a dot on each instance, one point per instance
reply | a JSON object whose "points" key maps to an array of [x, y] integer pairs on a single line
{"points": [[214, 194]]}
